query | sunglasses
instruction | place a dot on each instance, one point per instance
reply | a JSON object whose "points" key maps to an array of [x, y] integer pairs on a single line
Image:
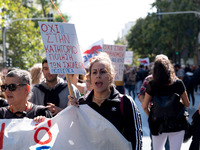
{"points": [[11, 87]]}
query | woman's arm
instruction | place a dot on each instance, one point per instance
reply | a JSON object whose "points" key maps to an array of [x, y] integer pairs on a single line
{"points": [[145, 103], [74, 81], [199, 109], [132, 123], [185, 99], [141, 98]]}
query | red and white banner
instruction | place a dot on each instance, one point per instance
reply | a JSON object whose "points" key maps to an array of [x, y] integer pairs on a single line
{"points": [[74, 128], [92, 51], [144, 61]]}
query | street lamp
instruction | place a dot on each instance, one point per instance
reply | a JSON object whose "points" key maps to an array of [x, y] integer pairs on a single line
{"points": [[4, 35], [178, 12]]}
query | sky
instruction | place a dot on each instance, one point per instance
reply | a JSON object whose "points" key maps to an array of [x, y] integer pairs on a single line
{"points": [[103, 19]]}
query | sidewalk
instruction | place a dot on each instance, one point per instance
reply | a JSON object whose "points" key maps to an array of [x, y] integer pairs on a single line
{"points": [[145, 127]]}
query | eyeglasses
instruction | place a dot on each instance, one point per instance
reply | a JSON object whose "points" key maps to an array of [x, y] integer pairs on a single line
{"points": [[11, 87]]}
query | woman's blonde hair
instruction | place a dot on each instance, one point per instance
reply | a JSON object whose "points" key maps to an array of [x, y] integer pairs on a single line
{"points": [[36, 73], [103, 57]]}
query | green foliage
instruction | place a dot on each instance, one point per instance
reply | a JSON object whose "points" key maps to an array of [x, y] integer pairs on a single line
{"points": [[150, 36], [24, 40], [59, 19], [22, 36]]}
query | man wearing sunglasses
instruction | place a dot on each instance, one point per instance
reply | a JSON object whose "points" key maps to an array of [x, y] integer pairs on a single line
{"points": [[52, 92]]}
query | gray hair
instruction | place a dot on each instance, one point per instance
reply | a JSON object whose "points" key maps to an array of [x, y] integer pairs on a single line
{"points": [[23, 75]]}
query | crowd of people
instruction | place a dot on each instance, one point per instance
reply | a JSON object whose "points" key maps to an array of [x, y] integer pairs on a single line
{"points": [[166, 88], [163, 79]]}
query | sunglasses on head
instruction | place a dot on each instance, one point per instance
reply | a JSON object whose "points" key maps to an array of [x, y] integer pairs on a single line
{"points": [[11, 87]]}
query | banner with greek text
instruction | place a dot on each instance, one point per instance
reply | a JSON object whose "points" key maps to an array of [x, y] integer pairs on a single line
{"points": [[116, 53], [73, 128], [62, 48]]}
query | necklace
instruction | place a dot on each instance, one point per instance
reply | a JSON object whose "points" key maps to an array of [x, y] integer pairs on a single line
{"points": [[102, 98], [28, 106]]}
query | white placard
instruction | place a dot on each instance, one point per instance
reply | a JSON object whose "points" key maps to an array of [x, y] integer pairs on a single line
{"points": [[116, 53], [62, 48], [128, 60]]}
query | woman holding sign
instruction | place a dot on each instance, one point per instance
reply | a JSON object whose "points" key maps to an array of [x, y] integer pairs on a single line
{"points": [[120, 110], [17, 90]]}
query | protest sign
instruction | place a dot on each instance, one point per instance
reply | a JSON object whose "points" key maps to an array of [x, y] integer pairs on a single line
{"points": [[73, 128], [128, 60], [61, 48], [116, 53]]}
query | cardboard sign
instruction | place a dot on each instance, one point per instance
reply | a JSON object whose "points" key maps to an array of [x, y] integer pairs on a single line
{"points": [[73, 128], [116, 53], [61, 48], [128, 57]]}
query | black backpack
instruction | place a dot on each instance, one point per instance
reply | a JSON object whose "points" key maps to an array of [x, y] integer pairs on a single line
{"points": [[167, 114], [51, 96]]}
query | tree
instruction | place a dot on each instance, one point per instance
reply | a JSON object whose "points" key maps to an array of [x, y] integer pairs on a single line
{"points": [[47, 7], [171, 34], [24, 38]]}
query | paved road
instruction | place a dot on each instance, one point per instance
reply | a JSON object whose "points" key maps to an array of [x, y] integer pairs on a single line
{"points": [[145, 127]]}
